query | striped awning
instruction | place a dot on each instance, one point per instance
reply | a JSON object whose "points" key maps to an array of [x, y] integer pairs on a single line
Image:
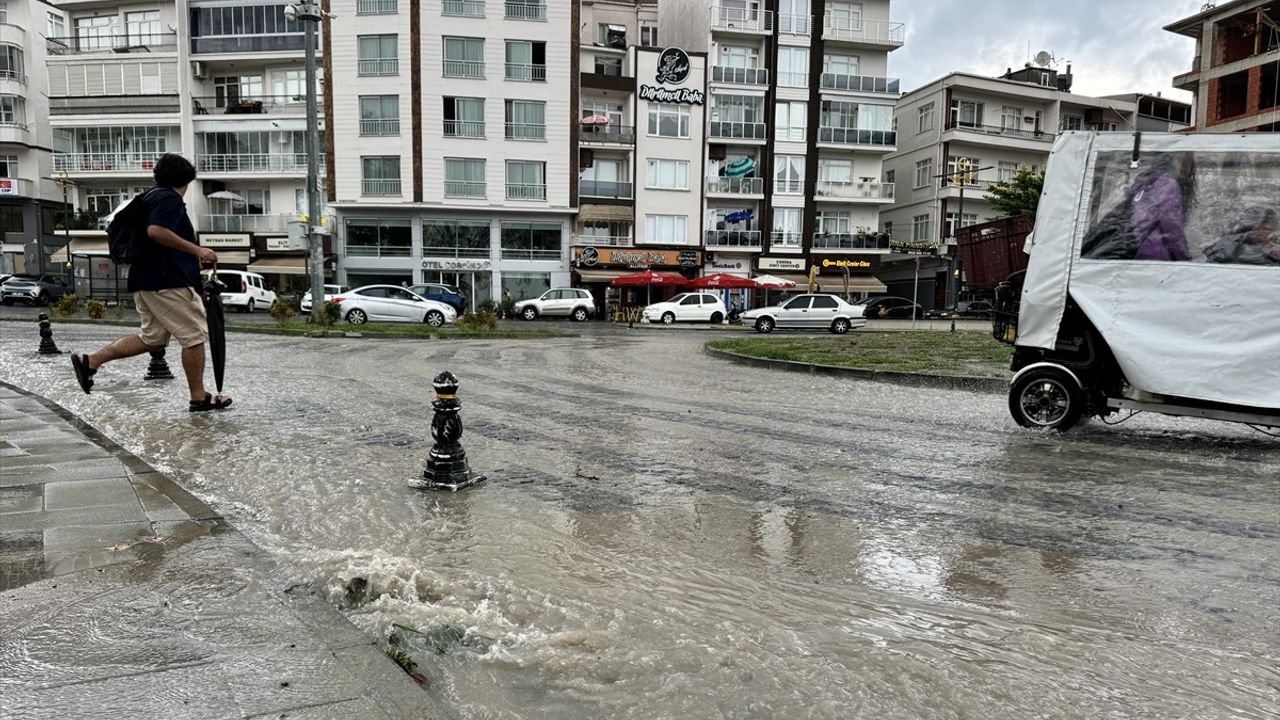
{"points": [[280, 266], [606, 213]]}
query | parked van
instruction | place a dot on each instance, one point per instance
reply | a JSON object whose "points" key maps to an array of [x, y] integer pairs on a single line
{"points": [[246, 291]]}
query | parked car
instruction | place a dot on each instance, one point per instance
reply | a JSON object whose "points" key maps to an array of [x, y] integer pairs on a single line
{"points": [[888, 306], [441, 293], [687, 307], [963, 309], [246, 291], [812, 312], [388, 303], [330, 291], [574, 303], [32, 289]]}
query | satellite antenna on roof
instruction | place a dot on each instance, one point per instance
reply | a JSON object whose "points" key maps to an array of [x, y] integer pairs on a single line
{"points": [[1043, 59]]}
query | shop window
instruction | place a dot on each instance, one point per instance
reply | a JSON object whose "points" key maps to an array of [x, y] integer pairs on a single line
{"points": [[531, 241], [450, 238], [11, 219], [525, 285], [378, 238]]}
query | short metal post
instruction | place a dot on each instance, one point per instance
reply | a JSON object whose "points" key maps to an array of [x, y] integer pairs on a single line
{"points": [[46, 337], [159, 367], [447, 467]]}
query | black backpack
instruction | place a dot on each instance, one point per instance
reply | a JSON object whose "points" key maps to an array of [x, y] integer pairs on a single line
{"points": [[127, 234]]}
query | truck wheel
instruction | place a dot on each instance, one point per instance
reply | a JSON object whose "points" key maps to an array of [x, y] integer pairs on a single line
{"points": [[1047, 398]]}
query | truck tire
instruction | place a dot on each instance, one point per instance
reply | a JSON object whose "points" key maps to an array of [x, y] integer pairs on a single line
{"points": [[1046, 398]]}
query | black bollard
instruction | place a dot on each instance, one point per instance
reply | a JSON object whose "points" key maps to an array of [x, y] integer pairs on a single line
{"points": [[159, 367], [447, 464], [46, 337]]}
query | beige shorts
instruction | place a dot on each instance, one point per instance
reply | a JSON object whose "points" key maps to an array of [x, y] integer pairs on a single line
{"points": [[177, 311]]}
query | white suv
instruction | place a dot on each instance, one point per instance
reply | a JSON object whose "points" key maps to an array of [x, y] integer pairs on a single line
{"points": [[245, 290], [559, 302]]}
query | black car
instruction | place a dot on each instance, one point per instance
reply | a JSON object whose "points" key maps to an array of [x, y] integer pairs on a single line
{"points": [[978, 309], [889, 307]]}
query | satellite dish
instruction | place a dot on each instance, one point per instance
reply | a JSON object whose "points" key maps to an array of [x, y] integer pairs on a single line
{"points": [[1043, 58]]}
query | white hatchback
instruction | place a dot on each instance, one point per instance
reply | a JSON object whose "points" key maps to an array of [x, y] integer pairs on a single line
{"points": [[388, 303], [687, 307], [246, 291]]}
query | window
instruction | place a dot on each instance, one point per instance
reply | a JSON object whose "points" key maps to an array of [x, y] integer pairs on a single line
{"points": [[290, 86], [605, 178], [4, 12], [788, 174], [823, 302], [379, 238], [954, 164], [666, 229], [924, 173], [233, 27], [921, 228], [11, 63], [888, 229], [1010, 117], [232, 90], [526, 120], [11, 219], [13, 110], [840, 64], [9, 166], [455, 238], [526, 180], [252, 202], [831, 222], [97, 33], [531, 241], [464, 117], [969, 219], [648, 36], [890, 176], [611, 66], [1006, 170], [737, 116], [738, 56], [525, 284], [793, 67], [376, 7], [55, 26], [464, 178], [845, 16], [667, 174], [142, 27], [611, 110], [791, 120], [1072, 122], [613, 36], [667, 120], [379, 114], [377, 55], [464, 57], [794, 16], [786, 227], [925, 117], [835, 171], [966, 113], [380, 175], [526, 61]]}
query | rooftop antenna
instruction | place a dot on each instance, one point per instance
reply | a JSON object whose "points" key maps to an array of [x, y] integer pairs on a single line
{"points": [[1043, 59]]}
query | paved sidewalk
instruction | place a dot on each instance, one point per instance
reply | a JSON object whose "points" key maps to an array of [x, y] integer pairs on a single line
{"points": [[123, 596]]}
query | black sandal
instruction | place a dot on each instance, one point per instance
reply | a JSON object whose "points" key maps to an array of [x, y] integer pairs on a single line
{"points": [[210, 402], [84, 373]]}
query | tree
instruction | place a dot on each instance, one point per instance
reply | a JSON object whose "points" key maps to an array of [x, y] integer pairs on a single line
{"points": [[1019, 196]]}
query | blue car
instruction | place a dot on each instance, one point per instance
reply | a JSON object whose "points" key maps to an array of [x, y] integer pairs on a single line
{"points": [[441, 293]]}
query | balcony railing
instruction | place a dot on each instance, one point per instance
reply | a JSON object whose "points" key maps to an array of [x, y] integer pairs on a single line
{"points": [[781, 238], [788, 187], [378, 251], [377, 7], [735, 186], [10, 187], [249, 105], [13, 74], [525, 11], [830, 189], [1001, 131], [739, 76], [524, 191], [739, 130], [616, 134], [525, 72], [604, 189], [464, 128], [381, 66], [136, 42], [278, 42], [460, 189], [463, 8], [245, 223], [380, 127], [379, 188], [794, 24], [849, 241], [14, 123], [464, 68], [733, 238], [526, 131], [602, 240], [525, 253], [875, 32], [293, 162], [106, 162], [859, 83], [741, 19], [854, 136], [98, 105]]}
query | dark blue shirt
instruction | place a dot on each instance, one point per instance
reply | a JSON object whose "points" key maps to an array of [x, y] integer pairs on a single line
{"points": [[159, 267]]}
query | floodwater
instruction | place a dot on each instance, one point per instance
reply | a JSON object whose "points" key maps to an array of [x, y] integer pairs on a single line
{"points": [[664, 535]]}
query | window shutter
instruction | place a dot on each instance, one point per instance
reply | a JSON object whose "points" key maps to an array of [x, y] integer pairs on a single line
{"points": [[112, 81]]}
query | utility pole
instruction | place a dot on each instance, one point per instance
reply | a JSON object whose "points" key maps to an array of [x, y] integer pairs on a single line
{"points": [[310, 15]]}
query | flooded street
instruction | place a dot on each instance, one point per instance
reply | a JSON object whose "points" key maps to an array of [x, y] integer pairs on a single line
{"points": [[666, 535]]}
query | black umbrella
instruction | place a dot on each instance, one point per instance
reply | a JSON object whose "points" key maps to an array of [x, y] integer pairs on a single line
{"points": [[217, 325]]}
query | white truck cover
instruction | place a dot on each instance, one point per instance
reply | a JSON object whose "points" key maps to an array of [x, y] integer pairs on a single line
{"points": [[1192, 329]]}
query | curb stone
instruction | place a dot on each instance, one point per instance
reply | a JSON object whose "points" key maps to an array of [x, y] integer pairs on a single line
{"points": [[268, 330], [950, 382]]}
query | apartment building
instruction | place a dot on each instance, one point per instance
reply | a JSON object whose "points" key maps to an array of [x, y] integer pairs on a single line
{"points": [[1235, 73], [1156, 113], [991, 125], [30, 205], [451, 142]]}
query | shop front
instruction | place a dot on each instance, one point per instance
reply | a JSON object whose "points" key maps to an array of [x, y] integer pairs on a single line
{"points": [[233, 249], [594, 268], [285, 263], [473, 277], [850, 276], [93, 274], [739, 265]]}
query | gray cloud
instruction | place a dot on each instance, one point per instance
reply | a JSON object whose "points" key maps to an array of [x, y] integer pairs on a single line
{"points": [[1114, 46]]}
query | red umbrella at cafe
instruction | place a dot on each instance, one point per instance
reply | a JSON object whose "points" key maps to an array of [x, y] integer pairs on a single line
{"points": [[649, 277], [722, 281]]}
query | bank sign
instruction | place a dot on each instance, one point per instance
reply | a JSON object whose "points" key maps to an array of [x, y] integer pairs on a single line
{"points": [[673, 69]]}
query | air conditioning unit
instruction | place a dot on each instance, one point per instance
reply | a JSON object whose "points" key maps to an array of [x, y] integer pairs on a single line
{"points": [[199, 70]]}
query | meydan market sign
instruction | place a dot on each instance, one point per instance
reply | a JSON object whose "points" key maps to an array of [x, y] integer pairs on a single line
{"points": [[673, 69]]}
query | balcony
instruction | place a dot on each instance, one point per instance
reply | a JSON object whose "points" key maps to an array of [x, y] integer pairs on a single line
{"points": [[1189, 80], [781, 239], [608, 76], [16, 187], [523, 72], [372, 128], [255, 105], [231, 44], [524, 191], [739, 76], [735, 186], [743, 239], [859, 83], [280, 163], [463, 8], [878, 33], [852, 136], [850, 241], [794, 24], [12, 74], [739, 130], [378, 67], [380, 188], [377, 7], [277, 223], [604, 189], [464, 128], [98, 105], [602, 240], [464, 69], [1000, 131], [607, 134], [134, 43], [142, 163], [853, 191], [746, 21], [461, 189], [526, 131], [525, 11]]}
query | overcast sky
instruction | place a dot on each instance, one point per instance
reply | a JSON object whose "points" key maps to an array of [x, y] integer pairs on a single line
{"points": [[1114, 46]]}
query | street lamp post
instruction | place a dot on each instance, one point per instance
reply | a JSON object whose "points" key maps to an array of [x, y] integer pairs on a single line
{"points": [[65, 184], [310, 15]]}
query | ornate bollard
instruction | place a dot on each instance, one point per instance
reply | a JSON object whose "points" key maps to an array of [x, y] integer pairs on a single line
{"points": [[46, 337], [447, 464], [159, 367]]}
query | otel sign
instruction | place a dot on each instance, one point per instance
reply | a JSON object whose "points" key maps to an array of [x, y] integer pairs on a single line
{"points": [[673, 69]]}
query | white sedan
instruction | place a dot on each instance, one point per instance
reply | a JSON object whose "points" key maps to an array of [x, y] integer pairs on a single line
{"points": [[687, 307], [811, 312], [388, 303], [330, 291]]}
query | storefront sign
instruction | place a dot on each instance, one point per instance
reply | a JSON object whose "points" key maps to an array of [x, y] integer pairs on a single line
{"points": [[728, 266], [590, 257], [285, 242], [8, 186], [687, 96], [855, 264], [673, 69], [225, 240], [455, 264], [794, 264], [913, 248]]}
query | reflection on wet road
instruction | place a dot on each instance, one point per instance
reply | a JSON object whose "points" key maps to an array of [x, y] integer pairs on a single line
{"points": [[666, 535]]}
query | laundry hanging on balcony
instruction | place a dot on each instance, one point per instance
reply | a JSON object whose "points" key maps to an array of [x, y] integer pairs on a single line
{"points": [[740, 216]]}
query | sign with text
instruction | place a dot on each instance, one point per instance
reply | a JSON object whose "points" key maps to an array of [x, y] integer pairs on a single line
{"points": [[673, 69], [855, 264], [635, 257], [225, 240], [686, 96], [792, 264], [913, 248], [455, 264], [286, 242], [8, 186]]}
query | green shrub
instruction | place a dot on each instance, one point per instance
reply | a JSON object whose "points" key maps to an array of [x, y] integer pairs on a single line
{"points": [[486, 307], [96, 309], [477, 321], [282, 311], [67, 305], [507, 308], [331, 313]]}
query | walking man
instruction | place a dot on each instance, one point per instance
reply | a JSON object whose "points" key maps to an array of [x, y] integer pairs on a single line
{"points": [[166, 287]]}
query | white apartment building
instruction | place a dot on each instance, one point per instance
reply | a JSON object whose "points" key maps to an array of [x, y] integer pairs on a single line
{"points": [[451, 142], [30, 205], [996, 125]]}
